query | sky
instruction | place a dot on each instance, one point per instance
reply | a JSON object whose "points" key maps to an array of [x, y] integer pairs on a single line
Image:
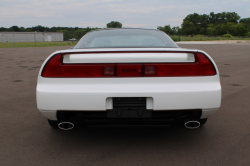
{"points": [[97, 13]]}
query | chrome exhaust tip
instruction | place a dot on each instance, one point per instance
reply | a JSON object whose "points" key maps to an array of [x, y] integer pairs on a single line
{"points": [[192, 124], [66, 125]]}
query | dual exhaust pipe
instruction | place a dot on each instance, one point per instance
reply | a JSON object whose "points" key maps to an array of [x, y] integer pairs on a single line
{"points": [[66, 125], [192, 124], [189, 124]]}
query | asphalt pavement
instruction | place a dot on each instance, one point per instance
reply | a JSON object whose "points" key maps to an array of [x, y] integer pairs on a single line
{"points": [[27, 139]]}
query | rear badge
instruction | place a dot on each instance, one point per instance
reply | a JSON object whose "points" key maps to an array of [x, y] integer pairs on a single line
{"points": [[130, 70]]}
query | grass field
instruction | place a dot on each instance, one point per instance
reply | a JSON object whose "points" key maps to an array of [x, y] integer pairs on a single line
{"points": [[69, 43], [206, 38], [37, 44]]}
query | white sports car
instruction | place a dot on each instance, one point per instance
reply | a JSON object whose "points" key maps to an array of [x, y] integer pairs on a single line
{"points": [[73, 39], [128, 76]]}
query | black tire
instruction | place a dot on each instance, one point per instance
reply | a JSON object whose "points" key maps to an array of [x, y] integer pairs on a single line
{"points": [[203, 121], [53, 124]]}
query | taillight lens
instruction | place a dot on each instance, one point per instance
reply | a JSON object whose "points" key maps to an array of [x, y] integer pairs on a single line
{"points": [[108, 70], [206, 68], [201, 67], [52, 67], [149, 70], [55, 68]]}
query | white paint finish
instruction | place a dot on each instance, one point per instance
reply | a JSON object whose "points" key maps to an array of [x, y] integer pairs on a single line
{"points": [[149, 102], [49, 114], [168, 93], [94, 94], [128, 58], [127, 49], [208, 112], [109, 103]]}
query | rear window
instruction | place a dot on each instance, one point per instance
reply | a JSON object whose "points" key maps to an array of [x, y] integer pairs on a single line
{"points": [[125, 38]]}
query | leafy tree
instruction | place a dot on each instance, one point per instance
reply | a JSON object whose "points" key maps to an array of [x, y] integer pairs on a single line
{"points": [[203, 23], [212, 18], [233, 21], [246, 23], [232, 17], [231, 28], [241, 30], [245, 20], [176, 30], [187, 28], [2, 29], [54, 29], [167, 29], [79, 33], [114, 24], [212, 24], [22, 29], [15, 28], [221, 29], [195, 20], [29, 30], [221, 18], [212, 31]]}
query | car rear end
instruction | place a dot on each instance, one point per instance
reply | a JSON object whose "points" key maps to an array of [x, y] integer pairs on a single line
{"points": [[129, 85]]}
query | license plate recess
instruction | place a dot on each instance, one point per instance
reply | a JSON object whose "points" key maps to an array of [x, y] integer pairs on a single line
{"points": [[129, 107]]}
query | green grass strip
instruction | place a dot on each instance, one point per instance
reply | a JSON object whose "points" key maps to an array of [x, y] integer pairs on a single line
{"points": [[33, 44], [206, 38]]}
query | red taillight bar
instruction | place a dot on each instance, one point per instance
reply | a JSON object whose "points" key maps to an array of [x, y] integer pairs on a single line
{"points": [[201, 67]]}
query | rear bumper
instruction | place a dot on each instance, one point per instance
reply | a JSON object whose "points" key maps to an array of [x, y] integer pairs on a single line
{"points": [[95, 94]]}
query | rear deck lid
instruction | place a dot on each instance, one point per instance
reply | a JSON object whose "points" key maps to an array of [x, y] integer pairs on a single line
{"points": [[128, 57]]}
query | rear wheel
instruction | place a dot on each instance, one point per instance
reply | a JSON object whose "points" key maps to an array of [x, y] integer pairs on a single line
{"points": [[53, 123]]}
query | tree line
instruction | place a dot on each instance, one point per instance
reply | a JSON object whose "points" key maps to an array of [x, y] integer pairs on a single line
{"points": [[212, 25], [68, 32], [225, 23]]}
